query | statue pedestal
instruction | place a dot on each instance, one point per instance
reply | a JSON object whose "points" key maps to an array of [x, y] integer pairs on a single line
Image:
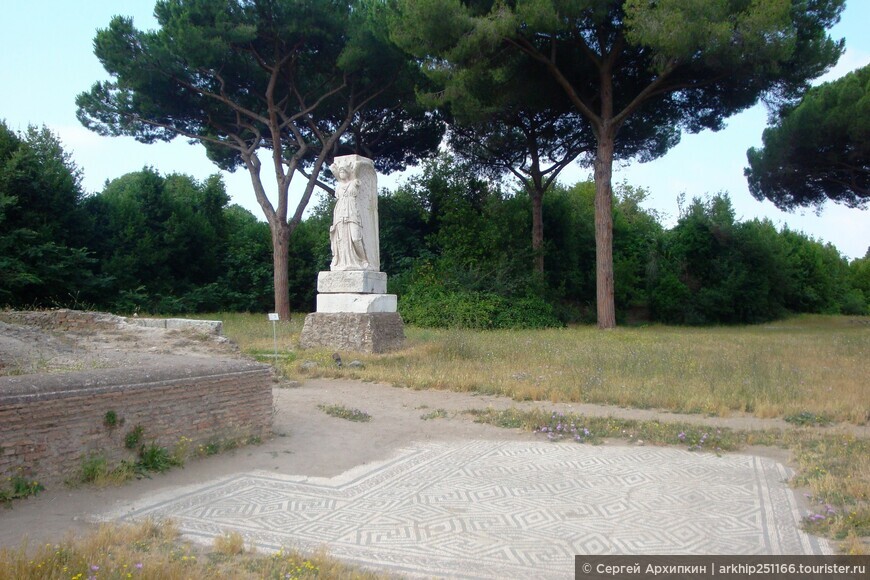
{"points": [[354, 313]]}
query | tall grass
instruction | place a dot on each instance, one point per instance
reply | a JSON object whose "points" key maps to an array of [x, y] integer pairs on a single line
{"points": [[155, 550], [816, 364]]}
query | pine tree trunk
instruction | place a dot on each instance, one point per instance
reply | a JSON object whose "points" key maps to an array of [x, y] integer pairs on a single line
{"points": [[604, 230], [281, 267], [538, 230]]}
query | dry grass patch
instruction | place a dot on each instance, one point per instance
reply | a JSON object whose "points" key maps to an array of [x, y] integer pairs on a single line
{"points": [[815, 364], [155, 550]]}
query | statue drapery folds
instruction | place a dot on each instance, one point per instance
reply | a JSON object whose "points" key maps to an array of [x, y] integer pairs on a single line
{"points": [[354, 232]]}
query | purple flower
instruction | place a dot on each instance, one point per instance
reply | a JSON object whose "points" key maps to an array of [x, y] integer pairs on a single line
{"points": [[681, 436], [139, 565], [586, 432], [94, 567]]}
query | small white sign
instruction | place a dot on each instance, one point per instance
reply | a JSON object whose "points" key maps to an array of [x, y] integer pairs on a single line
{"points": [[273, 316]]}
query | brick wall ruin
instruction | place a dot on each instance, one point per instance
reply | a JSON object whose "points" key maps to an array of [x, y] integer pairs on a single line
{"points": [[51, 422]]}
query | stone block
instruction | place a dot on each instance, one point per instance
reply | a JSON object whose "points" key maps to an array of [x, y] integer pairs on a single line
{"points": [[356, 303], [355, 332], [206, 326], [352, 281], [215, 327]]}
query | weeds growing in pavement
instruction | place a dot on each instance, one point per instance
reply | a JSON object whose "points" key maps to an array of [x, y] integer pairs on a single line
{"points": [[436, 414], [343, 412]]}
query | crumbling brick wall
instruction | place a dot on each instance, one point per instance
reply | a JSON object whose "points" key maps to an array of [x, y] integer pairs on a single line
{"points": [[50, 423]]}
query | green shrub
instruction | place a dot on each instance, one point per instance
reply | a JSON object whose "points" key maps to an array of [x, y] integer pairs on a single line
{"points": [[134, 437], [854, 303], [94, 467], [155, 458], [433, 306], [19, 487], [527, 312]]}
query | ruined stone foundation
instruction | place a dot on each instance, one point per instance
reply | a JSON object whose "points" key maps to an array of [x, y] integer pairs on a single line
{"points": [[354, 313]]}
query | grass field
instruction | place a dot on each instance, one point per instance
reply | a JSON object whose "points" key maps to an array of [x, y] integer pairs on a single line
{"points": [[812, 365]]}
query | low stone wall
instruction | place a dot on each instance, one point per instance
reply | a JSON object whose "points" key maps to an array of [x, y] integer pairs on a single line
{"points": [[82, 321], [62, 320], [50, 423]]}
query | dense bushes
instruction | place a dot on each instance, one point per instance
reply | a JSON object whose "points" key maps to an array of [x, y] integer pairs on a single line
{"points": [[457, 249], [427, 301], [711, 269], [464, 259]]}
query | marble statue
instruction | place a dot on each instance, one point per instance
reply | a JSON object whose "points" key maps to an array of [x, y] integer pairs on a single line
{"points": [[354, 235], [354, 311]]}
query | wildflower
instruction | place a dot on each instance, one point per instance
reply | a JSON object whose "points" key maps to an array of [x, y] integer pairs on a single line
{"points": [[138, 565], [94, 567], [681, 436]]}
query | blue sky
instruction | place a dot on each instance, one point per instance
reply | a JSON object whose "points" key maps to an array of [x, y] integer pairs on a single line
{"points": [[46, 53]]}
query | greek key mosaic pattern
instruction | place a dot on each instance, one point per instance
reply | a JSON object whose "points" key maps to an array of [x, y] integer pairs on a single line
{"points": [[486, 509]]}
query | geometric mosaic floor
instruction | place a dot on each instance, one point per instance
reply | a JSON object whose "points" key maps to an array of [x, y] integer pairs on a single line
{"points": [[487, 509]]}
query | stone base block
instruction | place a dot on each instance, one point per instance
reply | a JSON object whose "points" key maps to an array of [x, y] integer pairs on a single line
{"points": [[346, 331], [352, 281], [358, 303]]}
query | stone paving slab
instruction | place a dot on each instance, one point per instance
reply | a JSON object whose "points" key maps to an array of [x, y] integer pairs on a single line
{"points": [[487, 509]]}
